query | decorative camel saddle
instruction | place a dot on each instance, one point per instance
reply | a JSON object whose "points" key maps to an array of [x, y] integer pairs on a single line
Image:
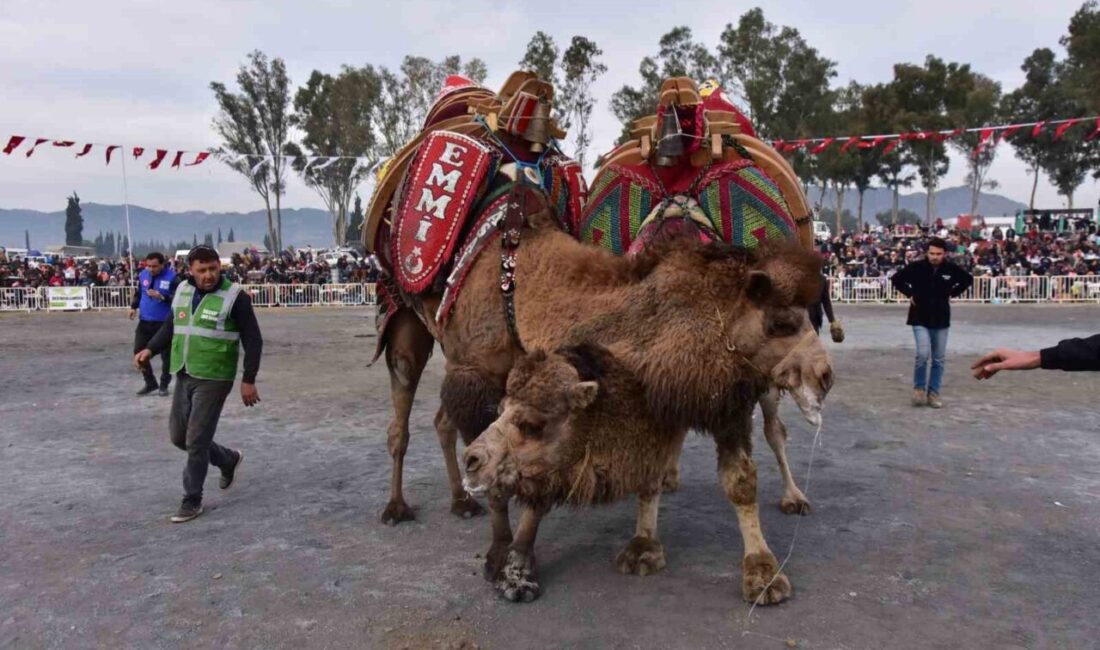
{"points": [[695, 164], [441, 199]]}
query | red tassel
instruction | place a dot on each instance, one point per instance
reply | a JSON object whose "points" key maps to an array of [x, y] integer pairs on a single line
{"points": [[161, 153], [13, 142]]}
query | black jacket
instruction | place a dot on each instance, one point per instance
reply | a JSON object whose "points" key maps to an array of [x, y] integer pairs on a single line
{"points": [[1072, 354], [931, 289]]}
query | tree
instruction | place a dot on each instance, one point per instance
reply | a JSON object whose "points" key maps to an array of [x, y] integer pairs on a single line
{"points": [[219, 236], [1082, 45], [267, 242], [580, 69], [677, 56], [1032, 102], [782, 80], [355, 223], [255, 124], [231, 238], [208, 240], [194, 240], [27, 239], [927, 95], [888, 218], [74, 222], [336, 116], [880, 112], [541, 58], [980, 107]]}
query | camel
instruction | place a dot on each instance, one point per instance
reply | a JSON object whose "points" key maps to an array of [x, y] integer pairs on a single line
{"points": [[705, 327], [574, 428]]}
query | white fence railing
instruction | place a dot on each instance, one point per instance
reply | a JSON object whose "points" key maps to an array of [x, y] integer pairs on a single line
{"points": [[999, 290], [996, 290], [263, 295]]}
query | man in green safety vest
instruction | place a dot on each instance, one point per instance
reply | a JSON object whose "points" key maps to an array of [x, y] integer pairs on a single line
{"points": [[211, 319]]}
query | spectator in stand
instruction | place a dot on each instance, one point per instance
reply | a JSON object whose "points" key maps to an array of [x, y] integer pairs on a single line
{"points": [[930, 284]]}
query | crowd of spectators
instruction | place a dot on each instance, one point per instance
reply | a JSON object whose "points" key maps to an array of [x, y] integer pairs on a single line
{"points": [[985, 251], [291, 267]]}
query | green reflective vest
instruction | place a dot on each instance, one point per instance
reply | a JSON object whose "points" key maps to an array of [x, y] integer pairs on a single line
{"points": [[205, 342]]}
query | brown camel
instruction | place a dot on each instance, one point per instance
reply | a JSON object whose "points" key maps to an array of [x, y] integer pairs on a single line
{"points": [[575, 429]]}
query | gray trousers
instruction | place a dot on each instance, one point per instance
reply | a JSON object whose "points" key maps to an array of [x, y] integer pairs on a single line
{"points": [[196, 407]]}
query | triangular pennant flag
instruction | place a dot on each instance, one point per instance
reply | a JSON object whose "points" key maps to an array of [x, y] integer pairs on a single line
{"points": [[177, 160], [161, 153], [37, 141], [111, 150], [84, 152], [201, 156], [848, 144], [138, 151], [63, 143], [871, 144], [983, 137], [13, 142], [822, 146], [1038, 129], [1095, 131], [1065, 126], [891, 145], [1010, 131], [257, 166]]}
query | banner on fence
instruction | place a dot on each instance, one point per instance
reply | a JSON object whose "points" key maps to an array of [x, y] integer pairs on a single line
{"points": [[66, 298]]}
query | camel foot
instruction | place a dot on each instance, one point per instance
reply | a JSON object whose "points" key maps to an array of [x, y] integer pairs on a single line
{"points": [[642, 556], [519, 584], [757, 571], [466, 507], [397, 512], [494, 562], [795, 504]]}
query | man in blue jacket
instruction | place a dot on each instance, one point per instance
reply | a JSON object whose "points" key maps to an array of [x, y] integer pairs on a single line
{"points": [[153, 302]]}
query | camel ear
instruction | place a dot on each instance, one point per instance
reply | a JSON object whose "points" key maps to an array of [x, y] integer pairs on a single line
{"points": [[759, 287], [583, 394]]}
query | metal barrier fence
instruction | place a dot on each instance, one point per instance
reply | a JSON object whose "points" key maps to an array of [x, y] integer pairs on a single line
{"points": [[263, 295], [996, 290], [999, 290]]}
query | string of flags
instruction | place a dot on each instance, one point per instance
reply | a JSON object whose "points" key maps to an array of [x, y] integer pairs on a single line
{"points": [[986, 135], [180, 158]]}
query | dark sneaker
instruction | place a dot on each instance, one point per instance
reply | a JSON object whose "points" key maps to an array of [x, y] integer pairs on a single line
{"points": [[188, 511], [147, 390], [229, 474], [163, 392]]}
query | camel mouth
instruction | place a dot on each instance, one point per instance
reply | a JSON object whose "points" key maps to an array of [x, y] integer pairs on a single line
{"points": [[473, 488], [808, 403]]}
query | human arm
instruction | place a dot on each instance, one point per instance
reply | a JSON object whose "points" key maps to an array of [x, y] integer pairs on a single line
{"points": [[1070, 355], [245, 316], [961, 281], [135, 302], [902, 281]]}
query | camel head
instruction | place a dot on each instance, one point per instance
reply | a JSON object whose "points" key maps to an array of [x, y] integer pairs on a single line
{"points": [[523, 448]]}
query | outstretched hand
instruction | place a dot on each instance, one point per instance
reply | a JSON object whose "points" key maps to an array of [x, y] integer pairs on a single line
{"points": [[1004, 359]]}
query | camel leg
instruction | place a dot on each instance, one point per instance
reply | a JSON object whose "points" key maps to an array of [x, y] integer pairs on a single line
{"points": [[793, 502], [738, 475], [519, 581], [502, 538], [671, 481], [407, 352], [644, 553], [462, 504]]}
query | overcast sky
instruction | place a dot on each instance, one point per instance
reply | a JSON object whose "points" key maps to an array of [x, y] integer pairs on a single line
{"points": [[138, 73]]}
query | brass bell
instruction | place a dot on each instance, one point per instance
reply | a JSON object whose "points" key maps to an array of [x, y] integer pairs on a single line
{"points": [[670, 140], [538, 127]]}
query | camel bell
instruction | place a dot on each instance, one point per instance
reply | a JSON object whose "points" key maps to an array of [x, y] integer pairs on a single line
{"points": [[670, 141], [538, 128]]}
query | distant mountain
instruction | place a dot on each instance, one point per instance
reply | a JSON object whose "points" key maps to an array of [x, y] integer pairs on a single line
{"points": [[950, 202], [301, 226]]}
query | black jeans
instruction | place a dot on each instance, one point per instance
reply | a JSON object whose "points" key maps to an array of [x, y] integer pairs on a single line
{"points": [[146, 329], [196, 407]]}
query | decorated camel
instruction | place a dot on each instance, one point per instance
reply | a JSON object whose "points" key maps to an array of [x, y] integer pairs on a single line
{"points": [[696, 165]]}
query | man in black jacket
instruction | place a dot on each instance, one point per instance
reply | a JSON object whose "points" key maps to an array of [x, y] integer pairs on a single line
{"points": [[1070, 355], [930, 284]]}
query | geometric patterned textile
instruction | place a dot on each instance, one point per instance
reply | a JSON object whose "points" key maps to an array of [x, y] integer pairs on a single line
{"points": [[620, 199], [745, 204]]}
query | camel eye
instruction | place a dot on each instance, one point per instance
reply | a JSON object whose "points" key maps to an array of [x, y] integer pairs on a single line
{"points": [[783, 323]]}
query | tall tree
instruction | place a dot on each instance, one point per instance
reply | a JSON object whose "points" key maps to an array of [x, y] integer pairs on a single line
{"points": [[355, 223], [335, 114], [219, 236], [541, 57], [678, 55], [230, 238], [880, 114], [1082, 45], [980, 107], [1032, 101], [74, 222], [27, 239], [208, 239], [255, 123], [580, 68]]}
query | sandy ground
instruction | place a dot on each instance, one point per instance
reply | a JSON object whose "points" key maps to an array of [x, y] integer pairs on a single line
{"points": [[975, 526]]}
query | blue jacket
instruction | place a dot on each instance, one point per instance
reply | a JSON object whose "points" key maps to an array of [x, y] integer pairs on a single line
{"points": [[151, 309]]}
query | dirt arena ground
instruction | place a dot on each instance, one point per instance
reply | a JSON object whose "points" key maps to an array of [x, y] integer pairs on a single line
{"points": [[975, 526]]}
